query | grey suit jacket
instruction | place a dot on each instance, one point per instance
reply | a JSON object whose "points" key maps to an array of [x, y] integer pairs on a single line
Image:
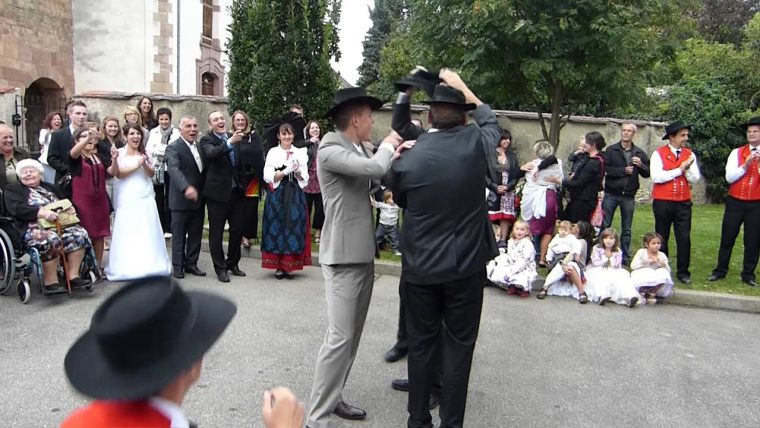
{"points": [[348, 234]]}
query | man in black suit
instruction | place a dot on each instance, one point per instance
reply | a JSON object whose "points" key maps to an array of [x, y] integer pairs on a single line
{"points": [[185, 166], [223, 194], [446, 240], [61, 141]]}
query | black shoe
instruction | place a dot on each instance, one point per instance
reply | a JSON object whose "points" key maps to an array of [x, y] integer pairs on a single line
{"points": [[178, 273], [714, 277], [236, 271], [78, 282], [288, 275], [685, 279], [195, 271], [279, 274], [55, 288], [347, 411], [435, 400], [400, 385], [750, 282], [222, 276], [396, 353]]}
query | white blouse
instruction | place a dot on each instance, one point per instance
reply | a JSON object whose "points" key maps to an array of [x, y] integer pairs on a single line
{"points": [[278, 158]]}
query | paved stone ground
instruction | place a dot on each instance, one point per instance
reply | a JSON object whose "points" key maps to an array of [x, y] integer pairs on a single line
{"points": [[551, 363]]}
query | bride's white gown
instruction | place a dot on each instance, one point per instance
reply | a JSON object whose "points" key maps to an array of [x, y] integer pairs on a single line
{"points": [[137, 248]]}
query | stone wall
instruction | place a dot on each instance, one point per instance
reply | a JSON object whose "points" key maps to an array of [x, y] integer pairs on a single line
{"points": [[36, 43], [524, 126]]}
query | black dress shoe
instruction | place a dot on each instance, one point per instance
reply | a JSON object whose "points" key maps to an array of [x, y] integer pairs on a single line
{"points": [[750, 282], [288, 275], [222, 276], [178, 273], [685, 279], [195, 271], [396, 353], [78, 282], [400, 384], [347, 411], [279, 274], [714, 277], [236, 271], [54, 288]]}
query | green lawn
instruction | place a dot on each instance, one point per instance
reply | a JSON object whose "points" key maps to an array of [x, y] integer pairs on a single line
{"points": [[705, 238]]}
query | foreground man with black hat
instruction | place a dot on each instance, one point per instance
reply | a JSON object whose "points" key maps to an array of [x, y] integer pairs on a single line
{"points": [[447, 241], [742, 206], [347, 248], [673, 168], [144, 351]]}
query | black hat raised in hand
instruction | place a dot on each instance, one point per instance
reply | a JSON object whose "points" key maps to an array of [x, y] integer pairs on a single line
{"points": [[419, 78], [444, 94]]}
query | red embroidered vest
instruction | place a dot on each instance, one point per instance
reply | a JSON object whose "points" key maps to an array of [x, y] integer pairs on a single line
{"points": [[677, 189], [122, 414], [746, 188]]}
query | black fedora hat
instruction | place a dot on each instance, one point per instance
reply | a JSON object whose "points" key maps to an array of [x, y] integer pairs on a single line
{"points": [[755, 121], [353, 95], [143, 337], [420, 79], [444, 94], [675, 127]]}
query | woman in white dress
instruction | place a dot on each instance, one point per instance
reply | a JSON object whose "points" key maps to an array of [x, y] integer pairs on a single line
{"points": [[53, 122], [138, 248]]}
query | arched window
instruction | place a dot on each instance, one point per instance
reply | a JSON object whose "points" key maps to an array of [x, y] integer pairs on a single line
{"points": [[208, 84]]}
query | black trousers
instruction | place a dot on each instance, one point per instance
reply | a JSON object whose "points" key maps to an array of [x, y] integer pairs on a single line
{"points": [[736, 213], [579, 210], [677, 214], [314, 204], [187, 231], [454, 308], [220, 213], [162, 204], [251, 217]]}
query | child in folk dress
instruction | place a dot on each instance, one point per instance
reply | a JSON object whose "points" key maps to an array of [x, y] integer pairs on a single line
{"points": [[605, 276], [650, 270], [561, 245], [515, 270], [567, 277]]}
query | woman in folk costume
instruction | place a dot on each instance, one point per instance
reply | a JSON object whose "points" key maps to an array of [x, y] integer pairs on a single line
{"points": [[285, 244]]}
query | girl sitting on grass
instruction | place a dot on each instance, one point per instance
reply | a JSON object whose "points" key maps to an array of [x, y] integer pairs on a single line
{"points": [[650, 271]]}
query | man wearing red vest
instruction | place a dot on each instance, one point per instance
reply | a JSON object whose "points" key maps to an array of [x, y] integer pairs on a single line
{"points": [[143, 352], [673, 167], [742, 206]]}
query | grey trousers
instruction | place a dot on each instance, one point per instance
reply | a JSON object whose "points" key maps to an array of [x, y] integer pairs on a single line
{"points": [[348, 290]]}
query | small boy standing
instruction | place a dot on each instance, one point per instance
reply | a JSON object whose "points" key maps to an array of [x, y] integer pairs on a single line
{"points": [[388, 225]]}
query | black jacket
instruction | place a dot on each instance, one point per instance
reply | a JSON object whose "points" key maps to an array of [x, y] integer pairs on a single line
{"points": [[61, 142], [446, 234], [250, 163], [617, 182], [587, 180], [183, 172], [219, 169], [16, 198], [19, 153]]}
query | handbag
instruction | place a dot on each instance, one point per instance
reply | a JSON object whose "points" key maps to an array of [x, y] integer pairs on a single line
{"points": [[160, 170], [67, 215], [598, 216]]}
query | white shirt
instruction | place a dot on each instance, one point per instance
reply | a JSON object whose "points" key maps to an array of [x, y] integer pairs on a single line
{"points": [[388, 213], [154, 147], [734, 171], [278, 157], [171, 410], [659, 175], [559, 245], [194, 150]]}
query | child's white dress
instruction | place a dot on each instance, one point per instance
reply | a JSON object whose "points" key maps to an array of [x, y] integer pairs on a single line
{"points": [[515, 267], [645, 273], [606, 278], [556, 283]]}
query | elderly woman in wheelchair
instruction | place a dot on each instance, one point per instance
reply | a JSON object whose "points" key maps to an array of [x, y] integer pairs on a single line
{"points": [[25, 201]]}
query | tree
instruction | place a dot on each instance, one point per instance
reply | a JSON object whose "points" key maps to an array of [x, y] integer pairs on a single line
{"points": [[280, 55], [569, 57], [385, 17], [721, 21]]}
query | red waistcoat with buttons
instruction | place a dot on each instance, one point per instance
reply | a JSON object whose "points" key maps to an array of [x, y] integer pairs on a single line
{"points": [[110, 414], [677, 189], [746, 188]]}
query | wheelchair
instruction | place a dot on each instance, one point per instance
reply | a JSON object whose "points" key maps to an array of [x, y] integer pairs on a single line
{"points": [[17, 266]]}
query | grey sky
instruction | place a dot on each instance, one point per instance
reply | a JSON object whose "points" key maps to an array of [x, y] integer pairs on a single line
{"points": [[354, 23]]}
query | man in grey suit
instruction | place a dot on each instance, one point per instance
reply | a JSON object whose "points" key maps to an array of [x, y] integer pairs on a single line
{"points": [[345, 169]]}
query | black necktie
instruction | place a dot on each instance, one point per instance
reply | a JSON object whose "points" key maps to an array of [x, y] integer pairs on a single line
{"points": [[678, 153]]}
